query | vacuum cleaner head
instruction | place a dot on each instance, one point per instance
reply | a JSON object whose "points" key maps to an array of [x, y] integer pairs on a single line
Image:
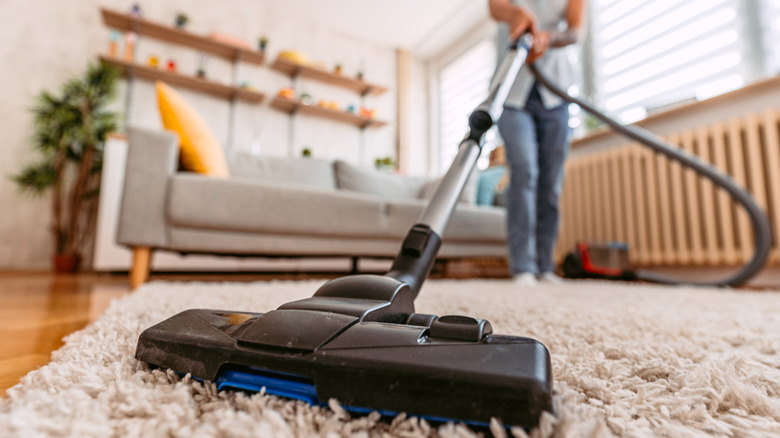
{"points": [[359, 341]]}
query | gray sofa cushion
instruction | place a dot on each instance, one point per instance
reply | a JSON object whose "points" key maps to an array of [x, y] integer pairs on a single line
{"points": [[244, 205], [469, 223], [372, 182], [467, 196], [307, 171]]}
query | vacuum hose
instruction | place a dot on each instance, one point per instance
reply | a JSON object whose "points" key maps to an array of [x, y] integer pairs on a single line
{"points": [[762, 230]]}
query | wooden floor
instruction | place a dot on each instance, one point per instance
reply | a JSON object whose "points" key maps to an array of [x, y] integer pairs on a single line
{"points": [[39, 309]]}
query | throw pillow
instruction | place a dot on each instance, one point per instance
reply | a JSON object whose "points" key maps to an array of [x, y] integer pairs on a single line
{"points": [[199, 149], [373, 182], [487, 184]]}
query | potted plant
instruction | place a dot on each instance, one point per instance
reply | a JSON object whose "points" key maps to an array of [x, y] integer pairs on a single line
{"points": [[386, 164], [262, 43], [69, 131], [181, 20]]}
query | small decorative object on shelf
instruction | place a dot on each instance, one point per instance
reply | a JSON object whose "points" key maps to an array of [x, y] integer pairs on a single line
{"points": [[334, 105], [323, 104], [359, 74], [153, 61], [181, 20], [368, 113], [135, 10], [293, 56], [306, 153], [351, 108], [171, 66], [262, 43], [245, 85], [129, 46], [230, 40], [287, 93], [337, 69], [306, 99], [384, 164], [113, 43], [201, 71]]}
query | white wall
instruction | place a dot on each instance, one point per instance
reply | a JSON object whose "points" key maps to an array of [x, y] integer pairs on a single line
{"points": [[47, 41]]}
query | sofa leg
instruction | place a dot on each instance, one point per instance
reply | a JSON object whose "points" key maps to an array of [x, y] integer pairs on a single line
{"points": [[139, 273], [354, 266]]}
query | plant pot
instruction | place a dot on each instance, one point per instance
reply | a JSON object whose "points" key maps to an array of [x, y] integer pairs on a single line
{"points": [[66, 263]]}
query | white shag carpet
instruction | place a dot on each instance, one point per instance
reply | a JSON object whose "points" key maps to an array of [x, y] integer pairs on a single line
{"points": [[628, 360]]}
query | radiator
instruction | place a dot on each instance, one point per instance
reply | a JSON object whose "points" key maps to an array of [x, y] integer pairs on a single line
{"points": [[667, 214]]}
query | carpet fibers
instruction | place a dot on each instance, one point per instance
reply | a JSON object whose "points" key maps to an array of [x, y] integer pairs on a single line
{"points": [[628, 360]]}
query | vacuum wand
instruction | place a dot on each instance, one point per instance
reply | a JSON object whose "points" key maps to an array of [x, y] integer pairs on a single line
{"points": [[418, 251]]}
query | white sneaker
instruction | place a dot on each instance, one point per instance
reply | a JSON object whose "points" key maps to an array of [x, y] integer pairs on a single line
{"points": [[550, 278], [524, 279]]}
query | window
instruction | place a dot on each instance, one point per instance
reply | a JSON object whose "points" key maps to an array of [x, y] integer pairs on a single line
{"points": [[771, 25], [652, 53], [463, 84]]}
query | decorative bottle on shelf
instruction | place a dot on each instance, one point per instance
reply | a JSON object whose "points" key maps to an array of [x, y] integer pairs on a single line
{"points": [[129, 46], [113, 44]]}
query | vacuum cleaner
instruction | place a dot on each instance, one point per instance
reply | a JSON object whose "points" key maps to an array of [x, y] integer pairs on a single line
{"points": [[359, 339]]}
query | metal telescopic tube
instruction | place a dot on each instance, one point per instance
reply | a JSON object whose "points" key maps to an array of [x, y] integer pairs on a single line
{"points": [[437, 213]]}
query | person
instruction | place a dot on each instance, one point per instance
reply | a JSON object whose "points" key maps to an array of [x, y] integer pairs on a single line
{"points": [[535, 130]]}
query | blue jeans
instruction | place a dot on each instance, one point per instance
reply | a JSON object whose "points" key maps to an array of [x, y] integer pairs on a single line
{"points": [[536, 141]]}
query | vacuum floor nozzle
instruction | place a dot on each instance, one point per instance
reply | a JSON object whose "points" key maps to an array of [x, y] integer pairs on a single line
{"points": [[448, 368]]}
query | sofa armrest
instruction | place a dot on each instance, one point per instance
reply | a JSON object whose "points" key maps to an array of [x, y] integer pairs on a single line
{"points": [[152, 157]]}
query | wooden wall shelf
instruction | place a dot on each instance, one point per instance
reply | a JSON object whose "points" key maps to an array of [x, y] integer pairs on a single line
{"points": [[291, 107], [195, 83], [293, 69], [171, 34]]}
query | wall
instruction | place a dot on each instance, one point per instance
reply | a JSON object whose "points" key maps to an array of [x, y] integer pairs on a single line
{"points": [[48, 41]]}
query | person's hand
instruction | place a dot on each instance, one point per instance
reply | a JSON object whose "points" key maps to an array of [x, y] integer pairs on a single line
{"points": [[521, 22], [541, 42]]}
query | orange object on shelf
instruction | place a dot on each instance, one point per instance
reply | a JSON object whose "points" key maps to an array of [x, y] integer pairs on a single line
{"points": [[113, 48], [287, 93], [229, 39]]}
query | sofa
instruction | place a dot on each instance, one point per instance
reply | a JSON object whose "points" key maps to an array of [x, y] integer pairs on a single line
{"points": [[282, 207]]}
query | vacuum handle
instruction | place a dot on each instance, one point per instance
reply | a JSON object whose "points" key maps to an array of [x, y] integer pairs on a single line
{"points": [[419, 249], [504, 78]]}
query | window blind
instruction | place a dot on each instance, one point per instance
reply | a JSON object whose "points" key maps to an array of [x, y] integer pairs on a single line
{"points": [[650, 54], [463, 84]]}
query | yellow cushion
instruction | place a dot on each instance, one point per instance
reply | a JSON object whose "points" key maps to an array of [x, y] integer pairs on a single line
{"points": [[199, 149]]}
